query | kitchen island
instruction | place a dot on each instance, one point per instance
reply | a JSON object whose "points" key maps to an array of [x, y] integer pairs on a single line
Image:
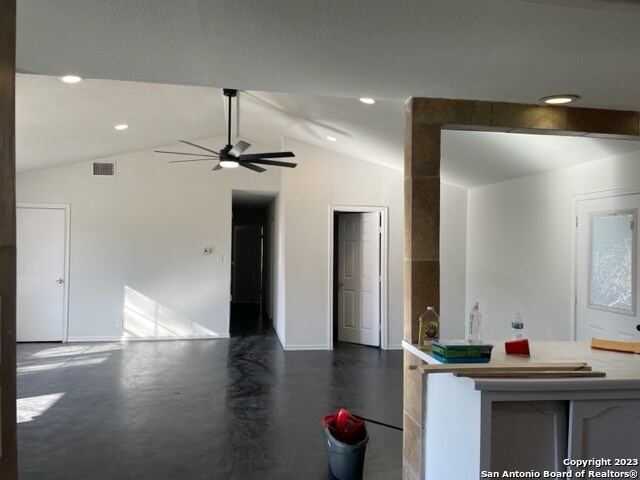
{"points": [[540, 427]]}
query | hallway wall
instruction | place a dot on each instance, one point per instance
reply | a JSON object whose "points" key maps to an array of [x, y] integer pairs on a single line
{"points": [[330, 179]]}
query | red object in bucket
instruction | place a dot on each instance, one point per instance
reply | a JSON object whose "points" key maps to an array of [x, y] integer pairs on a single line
{"points": [[344, 426]]}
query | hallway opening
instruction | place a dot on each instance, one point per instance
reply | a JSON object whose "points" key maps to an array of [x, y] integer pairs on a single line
{"points": [[251, 262]]}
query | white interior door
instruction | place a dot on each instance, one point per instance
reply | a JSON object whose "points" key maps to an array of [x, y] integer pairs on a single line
{"points": [[41, 235], [606, 268], [359, 278]]}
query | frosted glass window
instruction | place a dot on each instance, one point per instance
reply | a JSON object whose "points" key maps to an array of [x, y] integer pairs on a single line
{"points": [[612, 262]]}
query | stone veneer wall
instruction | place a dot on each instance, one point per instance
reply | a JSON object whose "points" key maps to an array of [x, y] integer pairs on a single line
{"points": [[424, 120], [8, 453]]}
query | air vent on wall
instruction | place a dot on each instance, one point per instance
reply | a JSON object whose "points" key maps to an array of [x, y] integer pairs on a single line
{"points": [[102, 169]]}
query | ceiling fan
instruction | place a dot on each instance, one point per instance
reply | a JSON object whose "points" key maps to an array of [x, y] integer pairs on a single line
{"points": [[232, 156]]}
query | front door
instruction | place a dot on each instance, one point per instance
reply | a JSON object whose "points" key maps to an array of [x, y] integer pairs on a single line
{"points": [[41, 235], [606, 267], [359, 278]]}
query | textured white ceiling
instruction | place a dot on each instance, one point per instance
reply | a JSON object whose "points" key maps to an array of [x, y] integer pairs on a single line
{"points": [[323, 56], [511, 50], [58, 123], [472, 159]]}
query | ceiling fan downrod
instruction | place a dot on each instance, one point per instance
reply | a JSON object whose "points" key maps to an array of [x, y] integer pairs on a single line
{"points": [[229, 93]]}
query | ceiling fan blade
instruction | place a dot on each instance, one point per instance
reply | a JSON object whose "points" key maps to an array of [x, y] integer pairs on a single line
{"points": [[256, 156], [262, 161], [217, 167], [193, 160], [238, 148], [200, 147], [250, 166], [185, 153]]}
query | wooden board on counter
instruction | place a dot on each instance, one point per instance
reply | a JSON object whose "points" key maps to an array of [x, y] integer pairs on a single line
{"points": [[466, 368], [532, 374], [615, 345]]}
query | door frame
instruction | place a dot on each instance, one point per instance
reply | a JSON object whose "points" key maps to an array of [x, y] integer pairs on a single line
{"points": [[581, 197], [384, 266], [67, 235]]}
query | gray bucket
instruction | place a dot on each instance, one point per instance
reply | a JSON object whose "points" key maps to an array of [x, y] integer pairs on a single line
{"points": [[346, 461]]}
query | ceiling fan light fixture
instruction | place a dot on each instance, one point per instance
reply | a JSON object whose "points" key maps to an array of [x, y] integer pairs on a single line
{"points": [[233, 156], [367, 100], [560, 99], [229, 163], [71, 79]]}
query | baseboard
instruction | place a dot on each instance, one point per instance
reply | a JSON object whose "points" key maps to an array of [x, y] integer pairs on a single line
{"points": [[143, 339], [394, 347], [295, 348]]}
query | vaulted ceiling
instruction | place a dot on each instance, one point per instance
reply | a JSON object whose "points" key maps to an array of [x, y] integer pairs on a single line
{"points": [[159, 66]]}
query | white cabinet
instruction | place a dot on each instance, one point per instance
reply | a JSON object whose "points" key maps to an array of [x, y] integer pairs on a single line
{"points": [[605, 429], [474, 425], [516, 426]]}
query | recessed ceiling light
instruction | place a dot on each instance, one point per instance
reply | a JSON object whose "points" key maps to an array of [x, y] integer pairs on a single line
{"points": [[122, 126], [331, 138], [560, 99], [71, 79], [368, 101]]}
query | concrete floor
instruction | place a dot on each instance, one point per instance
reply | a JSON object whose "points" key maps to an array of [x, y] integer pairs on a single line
{"points": [[201, 409]]}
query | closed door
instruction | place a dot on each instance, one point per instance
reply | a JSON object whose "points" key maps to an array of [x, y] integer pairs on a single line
{"points": [[41, 235], [606, 267], [246, 271], [359, 278]]}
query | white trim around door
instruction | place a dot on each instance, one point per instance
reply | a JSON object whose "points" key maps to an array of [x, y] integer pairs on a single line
{"points": [[384, 267]]}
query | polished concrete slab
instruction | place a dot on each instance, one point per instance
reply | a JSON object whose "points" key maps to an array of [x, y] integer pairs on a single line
{"points": [[202, 409]]}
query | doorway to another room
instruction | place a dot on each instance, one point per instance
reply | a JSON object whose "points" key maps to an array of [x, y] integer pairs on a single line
{"points": [[358, 273], [251, 263]]}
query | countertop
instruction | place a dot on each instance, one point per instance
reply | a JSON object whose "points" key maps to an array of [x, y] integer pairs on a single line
{"points": [[622, 369]]}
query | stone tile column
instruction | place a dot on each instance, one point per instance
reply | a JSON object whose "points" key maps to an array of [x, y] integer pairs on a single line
{"points": [[8, 454], [424, 120], [421, 266]]}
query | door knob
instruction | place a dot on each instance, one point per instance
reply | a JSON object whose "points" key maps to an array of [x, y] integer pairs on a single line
{"points": [[59, 281], [340, 283]]}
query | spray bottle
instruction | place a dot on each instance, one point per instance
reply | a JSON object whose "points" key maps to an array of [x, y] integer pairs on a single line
{"points": [[429, 329]]}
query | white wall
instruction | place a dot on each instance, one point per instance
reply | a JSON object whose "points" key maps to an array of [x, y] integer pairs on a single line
{"points": [[453, 255], [520, 245], [325, 179], [279, 284], [137, 240]]}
